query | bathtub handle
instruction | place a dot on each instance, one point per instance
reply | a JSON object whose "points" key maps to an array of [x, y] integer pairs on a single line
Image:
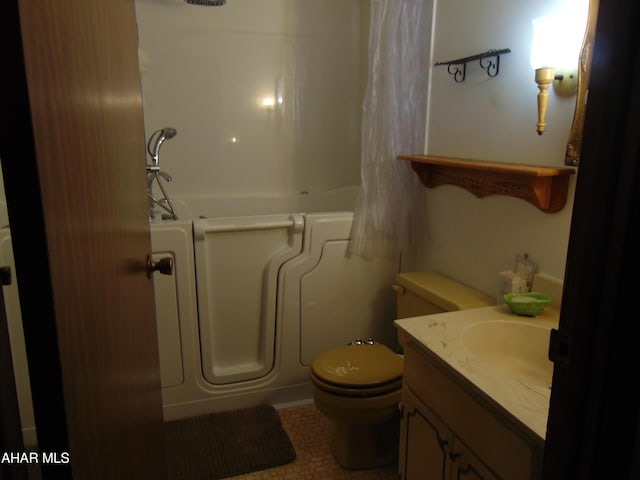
{"points": [[164, 266], [295, 222]]}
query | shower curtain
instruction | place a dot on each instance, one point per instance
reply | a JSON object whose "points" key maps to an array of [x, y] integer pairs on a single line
{"points": [[389, 215]]}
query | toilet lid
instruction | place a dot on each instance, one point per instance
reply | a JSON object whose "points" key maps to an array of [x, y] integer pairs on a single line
{"points": [[358, 365]]}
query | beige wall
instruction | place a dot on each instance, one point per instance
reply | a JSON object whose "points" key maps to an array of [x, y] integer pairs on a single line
{"points": [[494, 119]]}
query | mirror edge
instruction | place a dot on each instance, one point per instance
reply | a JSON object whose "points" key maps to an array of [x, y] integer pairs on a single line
{"points": [[574, 144]]}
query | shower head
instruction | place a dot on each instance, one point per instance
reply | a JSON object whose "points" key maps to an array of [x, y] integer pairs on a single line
{"points": [[168, 132], [157, 139], [207, 3]]}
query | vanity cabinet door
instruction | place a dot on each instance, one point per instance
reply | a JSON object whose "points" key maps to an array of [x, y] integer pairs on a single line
{"points": [[467, 466], [425, 442], [429, 450], [476, 425]]}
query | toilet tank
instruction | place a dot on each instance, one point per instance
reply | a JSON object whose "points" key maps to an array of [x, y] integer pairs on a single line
{"points": [[426, 293]]}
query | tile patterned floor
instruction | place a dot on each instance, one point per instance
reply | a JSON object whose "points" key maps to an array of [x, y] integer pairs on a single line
{"points": [[309, 432]]}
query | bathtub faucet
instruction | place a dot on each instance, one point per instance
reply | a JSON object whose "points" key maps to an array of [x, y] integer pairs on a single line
{"points": [[164, 202], [155, 174]]}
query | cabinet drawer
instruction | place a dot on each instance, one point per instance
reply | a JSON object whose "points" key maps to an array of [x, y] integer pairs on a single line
{"points": [[510, 452]]}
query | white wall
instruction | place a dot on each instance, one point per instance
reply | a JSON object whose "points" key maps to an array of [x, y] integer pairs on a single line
{"points": [[473, 239], [210, 68]]}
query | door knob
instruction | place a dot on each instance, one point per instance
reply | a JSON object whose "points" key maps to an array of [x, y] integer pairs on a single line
{"points": [[164, 266]]}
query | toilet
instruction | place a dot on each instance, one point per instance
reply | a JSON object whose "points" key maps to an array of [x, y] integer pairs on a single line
{"points": [[358, 386]]}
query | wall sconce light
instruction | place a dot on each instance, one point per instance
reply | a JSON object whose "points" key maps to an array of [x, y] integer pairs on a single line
{"points": [[555, 53]]}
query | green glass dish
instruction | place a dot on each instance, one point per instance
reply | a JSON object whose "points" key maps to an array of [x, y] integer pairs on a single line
{"points": [[528, 304]]}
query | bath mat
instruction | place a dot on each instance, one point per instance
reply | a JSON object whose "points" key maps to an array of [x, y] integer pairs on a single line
{"points": [[221, 445]]}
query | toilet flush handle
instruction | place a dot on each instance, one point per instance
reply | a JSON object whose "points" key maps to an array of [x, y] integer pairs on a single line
{"points": [[399, 289]]}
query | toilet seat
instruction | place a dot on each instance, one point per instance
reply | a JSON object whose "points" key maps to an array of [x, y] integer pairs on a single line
{"points": [[358, 370], [350, 391]]}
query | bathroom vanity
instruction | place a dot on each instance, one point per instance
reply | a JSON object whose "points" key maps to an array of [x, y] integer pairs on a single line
{"points": [[475, 398]]}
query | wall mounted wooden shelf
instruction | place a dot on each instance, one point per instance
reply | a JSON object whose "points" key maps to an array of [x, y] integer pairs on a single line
{"points": [[544, 187]]}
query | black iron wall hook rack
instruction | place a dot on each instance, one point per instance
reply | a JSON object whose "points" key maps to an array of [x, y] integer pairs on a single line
{"points": [[489, 61]]}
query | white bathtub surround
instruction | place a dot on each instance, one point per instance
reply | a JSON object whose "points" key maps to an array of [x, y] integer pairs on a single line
{"points": [[266, 94], [389, 216]]}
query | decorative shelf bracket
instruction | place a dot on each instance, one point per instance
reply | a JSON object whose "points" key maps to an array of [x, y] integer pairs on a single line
{"points": [[544, 187], [489, 61]]}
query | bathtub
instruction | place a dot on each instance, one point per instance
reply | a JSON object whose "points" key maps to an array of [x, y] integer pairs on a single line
{"points": [[261, 285]]}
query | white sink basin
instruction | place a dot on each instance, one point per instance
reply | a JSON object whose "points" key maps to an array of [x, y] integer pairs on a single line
{"points": [[514, 348]]}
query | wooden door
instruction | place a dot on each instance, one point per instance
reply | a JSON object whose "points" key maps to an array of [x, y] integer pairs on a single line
{"points": [[73, 161], [593, 430]]}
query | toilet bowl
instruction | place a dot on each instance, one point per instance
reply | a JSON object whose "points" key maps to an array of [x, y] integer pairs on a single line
{"points": [[358, 386]]}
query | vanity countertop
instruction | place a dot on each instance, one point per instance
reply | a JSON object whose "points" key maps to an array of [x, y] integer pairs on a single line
{"points": [[441, 334]]}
